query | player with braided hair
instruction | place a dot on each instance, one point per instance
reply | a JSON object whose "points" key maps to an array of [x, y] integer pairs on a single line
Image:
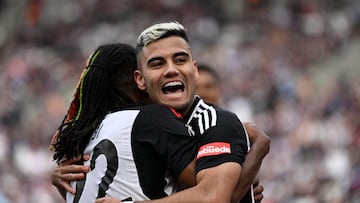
{"points": [[103, 86], [150, 172], [129, 147]]}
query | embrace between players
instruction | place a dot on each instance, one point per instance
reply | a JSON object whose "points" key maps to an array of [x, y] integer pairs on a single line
{"points": [[136, 132]]}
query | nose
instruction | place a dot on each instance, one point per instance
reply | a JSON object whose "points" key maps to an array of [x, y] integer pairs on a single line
{"points": [[171, 70]]}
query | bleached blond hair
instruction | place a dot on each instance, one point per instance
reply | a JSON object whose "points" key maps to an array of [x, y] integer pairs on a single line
{"points": [[160, 31]]}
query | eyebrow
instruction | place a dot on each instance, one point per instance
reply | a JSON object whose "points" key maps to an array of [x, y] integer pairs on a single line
{"points": [[154, 59], [182, 53]]}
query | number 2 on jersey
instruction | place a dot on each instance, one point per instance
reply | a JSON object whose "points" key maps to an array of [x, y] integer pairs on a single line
{"points": [[108, 149]]}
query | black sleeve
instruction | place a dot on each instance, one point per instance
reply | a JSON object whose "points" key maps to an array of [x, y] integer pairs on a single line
{"points": [[162, 138], [224, 142]]}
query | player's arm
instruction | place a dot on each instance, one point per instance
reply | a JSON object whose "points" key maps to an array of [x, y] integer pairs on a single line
{"points": [[260, 143], [222, 151], [187, 177], [260, 146], [66, 172], [214, 185]]}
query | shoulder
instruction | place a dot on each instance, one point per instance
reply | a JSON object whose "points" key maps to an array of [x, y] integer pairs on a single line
{"points": [[226, 115], [210, 115], [202, 110]]}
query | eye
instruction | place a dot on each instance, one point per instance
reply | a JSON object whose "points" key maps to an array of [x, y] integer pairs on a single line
{"points": [[156, 63], [181, 59]]}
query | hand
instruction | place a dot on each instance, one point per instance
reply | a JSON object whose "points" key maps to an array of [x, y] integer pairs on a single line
{"points": [[258, 190], [69, 171], [107, 200]]}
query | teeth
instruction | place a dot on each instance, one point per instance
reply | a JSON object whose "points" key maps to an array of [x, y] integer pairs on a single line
{"points": [[172, 87], [174, 83]]}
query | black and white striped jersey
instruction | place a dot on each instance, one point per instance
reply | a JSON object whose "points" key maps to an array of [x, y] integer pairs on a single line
{"points": [[222, 137], [131, 153], [134, 150]]}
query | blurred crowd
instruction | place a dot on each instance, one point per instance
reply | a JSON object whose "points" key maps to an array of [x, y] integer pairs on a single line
{"points": [[290, 66]]}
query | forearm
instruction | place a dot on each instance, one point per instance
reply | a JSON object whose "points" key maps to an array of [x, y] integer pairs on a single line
{"points": [[251, 166], [186, 196], [215, 185], [193, 194]]}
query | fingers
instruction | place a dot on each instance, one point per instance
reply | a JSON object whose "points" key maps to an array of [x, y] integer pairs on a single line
{"points": [[258, 190], [71, 172], [258, 198], [58, 180], [66, 185], [68, 171], [76, 160]]}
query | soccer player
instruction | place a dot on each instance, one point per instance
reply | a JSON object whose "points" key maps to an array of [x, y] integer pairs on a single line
{"points": [[179, 94], [168, 73], [131, 148]]}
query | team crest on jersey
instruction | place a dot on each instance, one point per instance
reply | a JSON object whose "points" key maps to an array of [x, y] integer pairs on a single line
{"points": [[214, 148]]}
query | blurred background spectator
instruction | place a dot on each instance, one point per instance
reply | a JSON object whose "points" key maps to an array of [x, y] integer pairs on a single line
{"points": [[290, 66], [208, 85]]}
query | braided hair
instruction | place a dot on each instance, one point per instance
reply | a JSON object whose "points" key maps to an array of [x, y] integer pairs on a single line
{"points": [[106, 84]]}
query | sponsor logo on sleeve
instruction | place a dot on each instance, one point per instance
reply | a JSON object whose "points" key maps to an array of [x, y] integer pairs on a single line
{"points": [[214, 148]]}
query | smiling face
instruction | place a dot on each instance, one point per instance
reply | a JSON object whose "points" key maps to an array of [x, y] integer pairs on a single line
{"points": [[168, 73]]}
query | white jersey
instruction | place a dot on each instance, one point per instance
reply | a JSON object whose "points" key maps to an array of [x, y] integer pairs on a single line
{"points": [[121, 149], [134, 150]]}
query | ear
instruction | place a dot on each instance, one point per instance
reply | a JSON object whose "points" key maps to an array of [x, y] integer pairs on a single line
{"points": [[196, 70], [139, 79]]}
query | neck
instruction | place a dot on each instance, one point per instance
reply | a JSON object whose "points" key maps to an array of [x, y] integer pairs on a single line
{"points": [[189, 106]]}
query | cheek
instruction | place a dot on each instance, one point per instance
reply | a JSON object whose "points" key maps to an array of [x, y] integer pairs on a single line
{"points": [[193, 80], [152, 78], [193, 75], [148, 84]]}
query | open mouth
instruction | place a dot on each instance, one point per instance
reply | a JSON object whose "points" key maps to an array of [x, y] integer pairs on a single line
{"points": [[173, 87]]}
